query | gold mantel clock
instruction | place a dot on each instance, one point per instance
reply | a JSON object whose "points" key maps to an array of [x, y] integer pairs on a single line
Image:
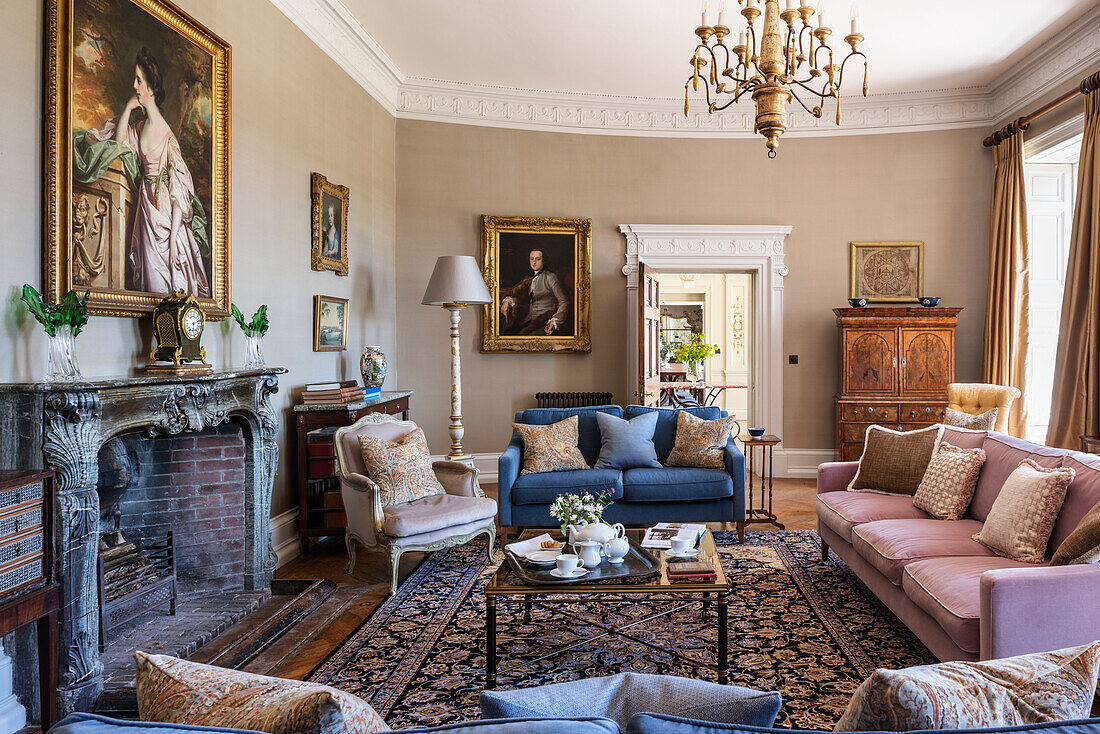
{"points": [[178, 322]]}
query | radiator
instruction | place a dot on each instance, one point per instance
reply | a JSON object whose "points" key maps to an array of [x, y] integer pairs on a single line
{"points": [[572, 399]]}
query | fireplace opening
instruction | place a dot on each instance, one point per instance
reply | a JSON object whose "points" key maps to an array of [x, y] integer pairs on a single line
{"points": [[172, 545]]}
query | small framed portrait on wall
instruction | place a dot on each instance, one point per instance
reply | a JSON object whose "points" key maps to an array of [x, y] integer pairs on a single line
{"points": [[330, 226], [887, 272], [539, 273], [330, 324]]}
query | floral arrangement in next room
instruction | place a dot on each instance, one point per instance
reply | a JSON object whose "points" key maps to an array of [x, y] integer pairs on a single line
{"points": [[570, 509], [695, 349]]}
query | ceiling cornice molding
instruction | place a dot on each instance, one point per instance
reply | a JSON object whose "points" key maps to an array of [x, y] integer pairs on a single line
{"points": [[335, 29], [1063, 59], [614, 115], [337, 32]]}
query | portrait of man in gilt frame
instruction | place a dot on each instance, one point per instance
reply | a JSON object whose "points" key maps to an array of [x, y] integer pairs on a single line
{"points": [[330, 225], [137, 156], [539, 271]]}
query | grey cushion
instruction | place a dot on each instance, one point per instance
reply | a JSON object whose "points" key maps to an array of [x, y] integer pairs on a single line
{"points": [[627, 444], [437, 536], [586, 725], [435, 513], [620, 697]]}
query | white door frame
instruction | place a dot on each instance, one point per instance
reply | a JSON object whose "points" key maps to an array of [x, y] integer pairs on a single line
{"points": [[698, 248]]}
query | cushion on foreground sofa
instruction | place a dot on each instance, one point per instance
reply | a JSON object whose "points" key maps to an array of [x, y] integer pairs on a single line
{"points": [[960, 598], [641, 495], [663, 724]]}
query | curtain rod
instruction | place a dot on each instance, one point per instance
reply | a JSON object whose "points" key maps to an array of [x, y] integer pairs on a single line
{"points": [[1090, 84]]}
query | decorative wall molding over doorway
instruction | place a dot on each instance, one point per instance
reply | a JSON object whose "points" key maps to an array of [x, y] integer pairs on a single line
{"points": [[720, 248]]}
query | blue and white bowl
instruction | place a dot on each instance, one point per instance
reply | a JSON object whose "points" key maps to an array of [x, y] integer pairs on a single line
{"points": [[929, 301], [756, 432], [857, 302]]}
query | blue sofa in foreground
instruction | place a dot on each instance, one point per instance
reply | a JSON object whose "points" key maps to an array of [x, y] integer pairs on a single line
{"points": [[641, 496]]}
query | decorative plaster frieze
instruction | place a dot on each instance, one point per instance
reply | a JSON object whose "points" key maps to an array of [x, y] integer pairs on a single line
{"points": [[708, 246], [334, 28]]}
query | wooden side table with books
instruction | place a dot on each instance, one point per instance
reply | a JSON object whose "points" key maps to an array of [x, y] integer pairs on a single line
{"points": [[320, 508]]}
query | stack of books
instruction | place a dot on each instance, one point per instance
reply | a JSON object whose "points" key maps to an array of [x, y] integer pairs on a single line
{"points": [[329, 393], [686, 572]]}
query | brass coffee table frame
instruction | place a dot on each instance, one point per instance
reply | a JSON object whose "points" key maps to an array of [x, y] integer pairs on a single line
{"points": [[659, 589]]}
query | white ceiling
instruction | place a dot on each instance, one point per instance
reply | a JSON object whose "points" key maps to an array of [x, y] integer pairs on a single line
{"points": [[640, 48]]}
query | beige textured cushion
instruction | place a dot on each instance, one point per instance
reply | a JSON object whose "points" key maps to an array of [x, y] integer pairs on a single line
{"points": [[181, 692], [700, 443], [894, 462], [552, 447], [948, 484], [961, 419], [1028, 689], [1083, 544], [402, 469], [1019, 523]]}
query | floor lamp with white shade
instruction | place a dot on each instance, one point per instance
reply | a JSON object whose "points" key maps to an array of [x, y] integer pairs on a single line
{"points": [[455, 284]]}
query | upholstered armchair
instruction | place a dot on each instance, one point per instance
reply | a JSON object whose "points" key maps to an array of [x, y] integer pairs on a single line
{"points": [[977, 398], [426, 524]]}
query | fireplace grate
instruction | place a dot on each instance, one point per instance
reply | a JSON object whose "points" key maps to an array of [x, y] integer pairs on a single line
{"points": [[133, 581]]}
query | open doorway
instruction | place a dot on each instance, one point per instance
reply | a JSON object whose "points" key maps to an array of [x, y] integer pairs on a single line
{"points": [[1050, 182], [718, 309]]}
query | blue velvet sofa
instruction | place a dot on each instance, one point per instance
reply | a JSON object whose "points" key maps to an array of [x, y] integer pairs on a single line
{"points": [[641, 496]]}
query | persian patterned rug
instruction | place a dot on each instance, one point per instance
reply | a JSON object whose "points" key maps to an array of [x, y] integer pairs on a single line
{"points": [[806, 628]]}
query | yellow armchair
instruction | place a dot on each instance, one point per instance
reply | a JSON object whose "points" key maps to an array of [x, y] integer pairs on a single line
{"points": [[977, 397]]}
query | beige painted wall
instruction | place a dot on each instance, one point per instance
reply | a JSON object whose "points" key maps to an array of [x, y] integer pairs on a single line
{"points": [[294, 111], [924, 186]]}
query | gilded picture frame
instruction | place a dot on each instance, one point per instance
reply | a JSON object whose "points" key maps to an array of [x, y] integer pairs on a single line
{"points": [[330, 225], [539, 274], [102, 207], [330, 324], [887, 272]]}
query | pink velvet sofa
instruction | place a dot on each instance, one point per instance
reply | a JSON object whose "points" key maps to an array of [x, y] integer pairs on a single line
{"points": [[962, 600]]}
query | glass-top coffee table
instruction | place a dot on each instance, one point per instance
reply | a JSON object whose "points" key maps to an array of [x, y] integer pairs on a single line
{"points": [[506, 587]]}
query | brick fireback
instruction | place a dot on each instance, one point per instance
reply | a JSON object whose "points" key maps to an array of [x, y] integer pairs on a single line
{"points": [[191, 484]]}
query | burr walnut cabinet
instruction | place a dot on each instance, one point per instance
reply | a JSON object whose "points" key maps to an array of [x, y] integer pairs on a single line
{"points": [[895, 365]]}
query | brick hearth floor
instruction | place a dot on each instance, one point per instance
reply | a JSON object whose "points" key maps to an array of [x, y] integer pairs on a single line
{"points": [[198, 620]]}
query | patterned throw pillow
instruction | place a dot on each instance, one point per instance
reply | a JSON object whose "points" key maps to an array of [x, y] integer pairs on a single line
{"points": [[949, 482], [550, 448], [1019, 523], [181, 692], [402, 469], [700, 443], [1083, 544], [981, 422], [1028, 689], [894, 462]]}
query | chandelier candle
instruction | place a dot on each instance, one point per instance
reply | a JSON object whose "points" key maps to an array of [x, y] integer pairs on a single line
{"points": [[768, 66]]}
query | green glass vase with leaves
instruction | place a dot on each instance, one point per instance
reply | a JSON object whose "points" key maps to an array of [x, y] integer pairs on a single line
{"points": [[254, 331], [61, 322]]}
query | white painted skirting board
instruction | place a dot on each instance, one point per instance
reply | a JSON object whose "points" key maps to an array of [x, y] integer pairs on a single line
{"points": [[485, 463], [284, 537], [801, 463]]}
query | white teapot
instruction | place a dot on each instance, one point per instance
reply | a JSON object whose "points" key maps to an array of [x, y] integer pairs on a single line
{"points": [[598, 531]]}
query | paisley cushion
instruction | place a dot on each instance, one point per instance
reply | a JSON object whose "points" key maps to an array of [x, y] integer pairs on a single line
{"points": [[1028, 689], [550, 448], [700, 443], [181, 692], [402, 469]]}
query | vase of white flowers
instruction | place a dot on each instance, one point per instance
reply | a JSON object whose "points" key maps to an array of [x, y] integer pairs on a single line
{"points": [[580, 511]]}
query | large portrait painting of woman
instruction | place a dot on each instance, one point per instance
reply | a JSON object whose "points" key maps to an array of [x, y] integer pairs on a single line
{"points": [[137, 143], [538, 270]]}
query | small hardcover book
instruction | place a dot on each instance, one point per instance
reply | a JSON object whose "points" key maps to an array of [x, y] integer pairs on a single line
{"points": [[370, 393]]}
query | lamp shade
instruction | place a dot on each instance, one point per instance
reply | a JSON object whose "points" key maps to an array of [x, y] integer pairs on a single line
{"points": [[456, 279]]}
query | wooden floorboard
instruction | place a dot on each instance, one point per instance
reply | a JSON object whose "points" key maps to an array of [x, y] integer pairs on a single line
{"points": [[359, 593]]}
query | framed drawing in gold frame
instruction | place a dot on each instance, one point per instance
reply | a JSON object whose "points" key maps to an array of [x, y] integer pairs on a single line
{"points": [[887, 272], [539, 274], [137, 156], [330, 225], [330, 324]]}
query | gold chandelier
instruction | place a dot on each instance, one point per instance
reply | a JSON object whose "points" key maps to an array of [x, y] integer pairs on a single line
{"points": [[766, 66]]}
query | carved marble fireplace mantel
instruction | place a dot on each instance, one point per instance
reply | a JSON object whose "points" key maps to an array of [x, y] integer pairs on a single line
{"points": [[62, 426]]}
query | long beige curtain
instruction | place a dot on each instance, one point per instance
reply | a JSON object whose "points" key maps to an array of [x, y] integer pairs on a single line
{"points": [[1006, 310], [1075, 403]]}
